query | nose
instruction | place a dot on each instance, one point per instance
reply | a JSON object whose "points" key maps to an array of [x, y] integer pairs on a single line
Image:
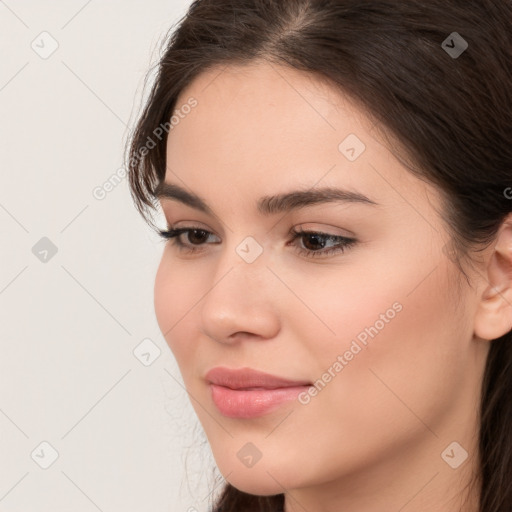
{"points": [[241, 302]]}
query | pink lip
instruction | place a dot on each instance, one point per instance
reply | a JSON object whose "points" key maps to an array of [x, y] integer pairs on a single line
{"points": [[248, 393]]}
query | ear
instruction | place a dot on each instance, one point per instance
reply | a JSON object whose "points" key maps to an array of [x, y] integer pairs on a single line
{"points": [[493, 317]]}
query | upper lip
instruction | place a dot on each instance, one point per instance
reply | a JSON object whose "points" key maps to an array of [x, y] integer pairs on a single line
{"points": [[243, 378]]}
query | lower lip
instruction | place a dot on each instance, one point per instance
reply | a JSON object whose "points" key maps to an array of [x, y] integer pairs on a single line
{"points": [[246, 404]]}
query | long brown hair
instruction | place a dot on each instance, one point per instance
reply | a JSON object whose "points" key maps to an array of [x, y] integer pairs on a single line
{"points": [[448, 104]]}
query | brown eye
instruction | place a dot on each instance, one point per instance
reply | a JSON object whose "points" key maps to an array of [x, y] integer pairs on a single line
{"points": [[315, 243]]}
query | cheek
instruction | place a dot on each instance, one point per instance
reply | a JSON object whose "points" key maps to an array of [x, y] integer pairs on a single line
{"points": [[399, 384], [174, 298], [402, 351], [163, 298]]}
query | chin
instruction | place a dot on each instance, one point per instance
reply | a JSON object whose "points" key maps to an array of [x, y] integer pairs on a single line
{"points": [[265, 478], [258, 485]]}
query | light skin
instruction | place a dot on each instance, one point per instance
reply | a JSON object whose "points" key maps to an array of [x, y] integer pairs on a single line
{"points": [[372, 439]]}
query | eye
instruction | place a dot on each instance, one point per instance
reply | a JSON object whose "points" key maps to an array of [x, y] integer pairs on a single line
{"points": [[321, 239], [197, 237], [175, 234]]}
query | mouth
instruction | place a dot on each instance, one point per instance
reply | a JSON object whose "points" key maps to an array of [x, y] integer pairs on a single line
{"points": [[252, 403], [245, 393], [249, 379], [253, 389]]}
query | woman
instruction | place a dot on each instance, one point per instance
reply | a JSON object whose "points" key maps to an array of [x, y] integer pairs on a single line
{"points": [[336, 285]]}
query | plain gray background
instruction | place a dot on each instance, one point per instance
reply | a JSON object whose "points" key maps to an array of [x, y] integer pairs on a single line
{"points": [[90, 419]]}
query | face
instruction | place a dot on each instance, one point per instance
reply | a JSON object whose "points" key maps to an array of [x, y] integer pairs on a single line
{"points": [[372, 325]]}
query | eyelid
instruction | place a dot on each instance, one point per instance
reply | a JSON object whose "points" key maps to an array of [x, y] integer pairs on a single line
{"points": [[343, 243], [189, 224], [329, 230], [316, 226]]}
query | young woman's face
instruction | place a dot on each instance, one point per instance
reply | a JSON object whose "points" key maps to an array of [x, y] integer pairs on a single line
{"points": [[380, 326]]}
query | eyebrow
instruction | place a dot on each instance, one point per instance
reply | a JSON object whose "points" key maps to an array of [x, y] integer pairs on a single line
{"points": [[268, 205]]}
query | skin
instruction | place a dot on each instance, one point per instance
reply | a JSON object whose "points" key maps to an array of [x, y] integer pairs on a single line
{"points": [[372, 438]]}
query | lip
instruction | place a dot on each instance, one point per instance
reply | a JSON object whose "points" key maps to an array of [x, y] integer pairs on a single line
{"points": [[246, 393], [244, 378]]}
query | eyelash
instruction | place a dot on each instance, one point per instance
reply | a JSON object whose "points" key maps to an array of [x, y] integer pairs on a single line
{"points": [[344, 242]]}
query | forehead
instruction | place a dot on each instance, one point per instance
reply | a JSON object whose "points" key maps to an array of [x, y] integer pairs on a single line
{"points": [[253, 115], [257, 102], [264, 128], [266, 80]]}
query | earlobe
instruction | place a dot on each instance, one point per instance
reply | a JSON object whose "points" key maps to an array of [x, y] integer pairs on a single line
{"points": [[493, 317]]}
